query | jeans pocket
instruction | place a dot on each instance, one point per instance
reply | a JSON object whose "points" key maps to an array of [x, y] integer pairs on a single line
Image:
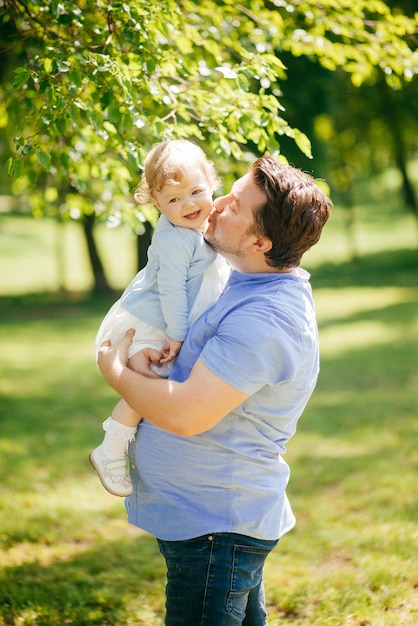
{"points": [[246, 575]]}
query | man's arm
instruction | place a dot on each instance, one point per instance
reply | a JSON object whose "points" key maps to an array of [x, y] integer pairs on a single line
{"points": [[186, 409]]}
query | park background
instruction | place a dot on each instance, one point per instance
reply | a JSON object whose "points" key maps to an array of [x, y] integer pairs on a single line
{"points": [[85, 89]]}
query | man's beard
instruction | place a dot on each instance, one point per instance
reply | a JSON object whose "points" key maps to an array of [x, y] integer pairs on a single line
{"points": [[224, 248]]}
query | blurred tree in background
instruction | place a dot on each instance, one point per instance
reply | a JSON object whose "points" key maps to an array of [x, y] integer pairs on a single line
{"points": [[87, 87]]}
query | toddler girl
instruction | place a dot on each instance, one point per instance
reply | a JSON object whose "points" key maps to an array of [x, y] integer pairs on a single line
{"points": [[183, 277]]}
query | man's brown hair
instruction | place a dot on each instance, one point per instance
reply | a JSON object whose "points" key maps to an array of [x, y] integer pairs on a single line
{"points": [[295, 211]]}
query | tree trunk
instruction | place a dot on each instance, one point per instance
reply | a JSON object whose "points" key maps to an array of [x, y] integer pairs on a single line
{"points": [[394, 124], [400, 157], [350, 225], [101, 284], [60, 255], [142, 244]]}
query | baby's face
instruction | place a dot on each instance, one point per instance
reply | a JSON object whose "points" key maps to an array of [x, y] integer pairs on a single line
{"points": [[186, 202]]}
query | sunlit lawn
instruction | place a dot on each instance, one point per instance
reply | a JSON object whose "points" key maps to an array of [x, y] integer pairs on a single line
{"points": [[67, 554]]}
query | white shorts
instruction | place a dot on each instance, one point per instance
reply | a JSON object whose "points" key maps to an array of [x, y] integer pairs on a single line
{"points": [[118, 321]]}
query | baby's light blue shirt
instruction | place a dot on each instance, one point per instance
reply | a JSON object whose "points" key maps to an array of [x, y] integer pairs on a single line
{"points": [[163, 293]]}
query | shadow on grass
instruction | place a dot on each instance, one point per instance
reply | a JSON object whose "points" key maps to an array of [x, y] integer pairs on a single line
{"points": [[107, 584], [395, 267], [54, 305]]}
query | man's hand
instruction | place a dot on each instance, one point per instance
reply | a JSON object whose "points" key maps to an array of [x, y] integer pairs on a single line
{"points": [[141, 362], [113, 359]]}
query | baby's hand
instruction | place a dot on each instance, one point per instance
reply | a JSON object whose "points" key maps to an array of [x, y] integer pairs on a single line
{"points": [[170, 351]]}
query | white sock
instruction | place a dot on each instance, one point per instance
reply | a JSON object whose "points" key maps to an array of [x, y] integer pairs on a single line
{"points": [[117, 436]]}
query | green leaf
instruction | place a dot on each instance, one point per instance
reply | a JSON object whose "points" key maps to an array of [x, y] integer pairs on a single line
{"points": [[76, 77], [74, 112], [10, 166], [44, 158], [109, 127], [19, 168], [64, 160], [14, 167], [63, 66], [303, 143], [21, 78], [114, 114], [61, 125], [48, 63], [54, 7], [126, 122]]}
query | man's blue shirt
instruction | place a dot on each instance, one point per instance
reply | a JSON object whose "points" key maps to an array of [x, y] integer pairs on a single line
{"points": [[261, 338]]}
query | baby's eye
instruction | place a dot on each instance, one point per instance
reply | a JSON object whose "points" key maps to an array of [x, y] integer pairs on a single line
{"points": [[173, 200], [196, 192]]}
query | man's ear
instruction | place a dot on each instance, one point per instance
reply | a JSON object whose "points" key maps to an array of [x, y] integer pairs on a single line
{"points": [[261, 245]]}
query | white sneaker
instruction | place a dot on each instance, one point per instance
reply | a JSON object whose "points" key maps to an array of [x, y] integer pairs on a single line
{"points": [[112, 473]]}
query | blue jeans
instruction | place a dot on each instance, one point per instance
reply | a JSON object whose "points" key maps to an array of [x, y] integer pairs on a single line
{"points": [[215, 580]]}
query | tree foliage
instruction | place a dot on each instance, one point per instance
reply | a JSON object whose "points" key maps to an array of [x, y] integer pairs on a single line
{"points": [[96, 83], [87, 87]]}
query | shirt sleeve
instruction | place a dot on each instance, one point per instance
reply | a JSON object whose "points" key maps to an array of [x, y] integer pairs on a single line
{"points": [[254, 347], [175, 251]]}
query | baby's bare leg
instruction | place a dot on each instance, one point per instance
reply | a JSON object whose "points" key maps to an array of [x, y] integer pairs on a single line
{"points": [[123, 413]]}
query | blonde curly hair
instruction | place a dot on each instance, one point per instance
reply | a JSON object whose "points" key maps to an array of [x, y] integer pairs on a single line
{"points": [[170, 161]]}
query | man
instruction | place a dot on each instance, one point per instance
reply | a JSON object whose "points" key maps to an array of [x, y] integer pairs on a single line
{"points": [[211, 480]]}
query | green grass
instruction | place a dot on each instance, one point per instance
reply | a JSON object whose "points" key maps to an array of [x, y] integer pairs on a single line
{"points": [[69, 557]]}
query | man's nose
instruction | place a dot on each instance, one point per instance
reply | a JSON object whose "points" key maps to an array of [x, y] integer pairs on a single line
{"points": [[218, 204]]}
